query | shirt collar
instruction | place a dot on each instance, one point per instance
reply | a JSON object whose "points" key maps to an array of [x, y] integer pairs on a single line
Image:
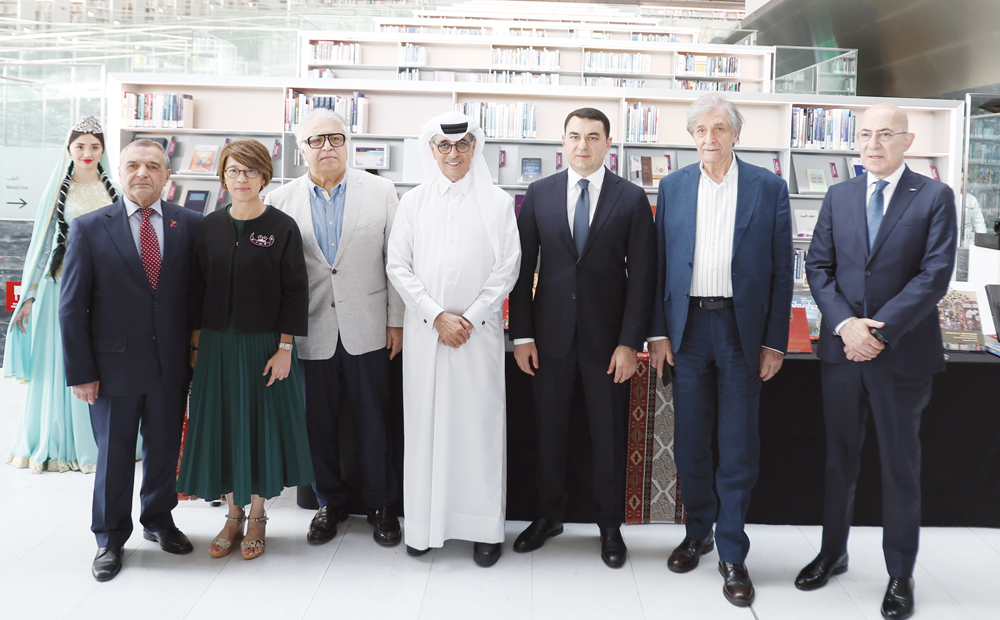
{"points": [[596, 180], [319, 192], [131, 207], [893, 178], [729, 173], [463, 185]]}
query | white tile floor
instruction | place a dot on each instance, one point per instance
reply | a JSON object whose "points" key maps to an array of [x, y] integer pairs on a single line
{"points": [[46, 548]]}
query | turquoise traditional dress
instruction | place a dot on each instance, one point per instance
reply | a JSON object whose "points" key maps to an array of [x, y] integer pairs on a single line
{"points": [[54, 431]]}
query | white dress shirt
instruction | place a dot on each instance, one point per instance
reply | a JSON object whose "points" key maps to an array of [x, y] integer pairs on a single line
{"points": [[135, 221], [715, 225]]}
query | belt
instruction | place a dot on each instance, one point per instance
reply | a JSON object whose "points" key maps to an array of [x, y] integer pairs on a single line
{"points": [[712, 303]]}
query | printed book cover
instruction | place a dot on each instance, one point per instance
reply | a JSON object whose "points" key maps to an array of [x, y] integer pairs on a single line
{"points": [[961, 328]]}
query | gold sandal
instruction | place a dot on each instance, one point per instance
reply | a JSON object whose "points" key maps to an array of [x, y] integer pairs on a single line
{"points": [[223, 546], [253, 548]]}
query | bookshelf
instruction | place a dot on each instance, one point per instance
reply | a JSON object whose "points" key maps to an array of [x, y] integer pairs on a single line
{"points": [[644, 30]]}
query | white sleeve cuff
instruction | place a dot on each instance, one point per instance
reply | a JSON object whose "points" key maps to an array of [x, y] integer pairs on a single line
{"points": [[655, 338], [518, 341], [428, 310], [836, 332]]}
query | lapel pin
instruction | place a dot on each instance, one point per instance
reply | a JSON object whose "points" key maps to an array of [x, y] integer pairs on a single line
{"points": [[913, 189], [173, 223]]}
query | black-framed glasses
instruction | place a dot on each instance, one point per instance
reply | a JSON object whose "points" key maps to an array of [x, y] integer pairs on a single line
{"points": [[883, 136], [335, 139], [462, 146], [234, 173]]}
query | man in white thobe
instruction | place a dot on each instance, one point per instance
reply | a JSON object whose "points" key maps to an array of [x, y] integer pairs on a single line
{"points": [[453, 256]]}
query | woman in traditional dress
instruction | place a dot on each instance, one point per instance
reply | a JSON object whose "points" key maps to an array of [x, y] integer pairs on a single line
{"points": [[54, 431], [246, 433]]}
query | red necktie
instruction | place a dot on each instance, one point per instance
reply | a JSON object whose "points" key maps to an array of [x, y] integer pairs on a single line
{"points": [[150, 247]]}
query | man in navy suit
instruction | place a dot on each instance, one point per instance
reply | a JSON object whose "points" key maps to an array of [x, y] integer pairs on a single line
{"points": [[880, 260], [723, 298], [588, 318], [124, 322]]}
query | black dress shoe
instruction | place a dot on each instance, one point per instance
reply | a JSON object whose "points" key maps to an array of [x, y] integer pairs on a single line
{"points": [[535, 535], [324, 525], [898, 601], [486, 554], [685, 557], [613, 549], [171, 540], [107, 563], [738, 589], [818, 572], [386, 524], [416, 552]]}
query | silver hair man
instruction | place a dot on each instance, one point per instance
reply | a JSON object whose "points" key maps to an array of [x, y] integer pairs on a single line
{"points": [[708, 103]]}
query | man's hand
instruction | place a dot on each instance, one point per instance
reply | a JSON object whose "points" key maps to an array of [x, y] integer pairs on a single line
{"points": [[526, 356], [859, 343], [87, 392], [394, 340], [770, 362], [454, 330], [623, 364], [22, 317], [659, 352]]}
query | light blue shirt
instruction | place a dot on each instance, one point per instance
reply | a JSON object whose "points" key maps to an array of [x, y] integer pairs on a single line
{"points": [[328, 216], [135, 221]]}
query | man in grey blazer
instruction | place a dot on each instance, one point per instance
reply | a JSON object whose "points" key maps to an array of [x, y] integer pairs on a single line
{"points": [[345, 217]]}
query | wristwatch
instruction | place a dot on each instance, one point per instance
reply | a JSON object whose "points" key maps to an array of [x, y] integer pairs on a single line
{"points": [[285, 345]]}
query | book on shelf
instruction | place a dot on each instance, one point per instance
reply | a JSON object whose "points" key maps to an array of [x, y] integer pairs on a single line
{"points": [[817, 181], [798, 332], [604, 81], [461, 31], [821, 128], [503, 120], [641, 123], [531, 170], [203, 158], [391, 28], [993, 301], [711, 66], [157, 110], [657, 37], [353, 108], [322, 72], [961, 326], [510, 77], [805, 222], [647, 171], [802, 298], [411, 55], [856, 168], [409, 75], [799, 266], [196, 200], [524, 58], [617, 62], [729, 87], [336, 52]]}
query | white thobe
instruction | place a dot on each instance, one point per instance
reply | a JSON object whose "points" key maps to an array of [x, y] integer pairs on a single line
{"points": [[449, 253]]}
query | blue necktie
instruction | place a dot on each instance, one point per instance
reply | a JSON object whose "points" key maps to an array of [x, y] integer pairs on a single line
{"points": [[581, 219], [875, 210]]}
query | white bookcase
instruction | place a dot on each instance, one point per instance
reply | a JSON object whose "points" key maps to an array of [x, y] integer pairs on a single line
{"points": [[644, 30]]}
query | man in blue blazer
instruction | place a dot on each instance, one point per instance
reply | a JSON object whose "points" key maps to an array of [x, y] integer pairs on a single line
{"points": [[723, 298], [124, 322], [588, 318], [880, 260]]}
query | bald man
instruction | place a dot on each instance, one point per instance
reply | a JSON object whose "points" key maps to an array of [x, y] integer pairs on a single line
{"points": [[880, 259]]}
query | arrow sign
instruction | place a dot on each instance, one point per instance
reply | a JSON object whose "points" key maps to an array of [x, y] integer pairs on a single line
{"points": [[21, 202]]}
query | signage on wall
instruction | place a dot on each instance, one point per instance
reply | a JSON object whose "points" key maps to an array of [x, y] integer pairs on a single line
{"points": [[13, 295], [23, 174]]}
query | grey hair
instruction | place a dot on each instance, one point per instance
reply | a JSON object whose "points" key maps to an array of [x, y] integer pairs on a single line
{"points": [[323, 114], [709, 103], [144, 143]]}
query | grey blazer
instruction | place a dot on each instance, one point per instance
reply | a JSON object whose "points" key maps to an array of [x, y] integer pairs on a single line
{"points": [[351, 298]]}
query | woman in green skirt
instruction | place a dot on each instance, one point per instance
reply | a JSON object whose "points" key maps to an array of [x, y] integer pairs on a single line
{"points": [[246, 434]]}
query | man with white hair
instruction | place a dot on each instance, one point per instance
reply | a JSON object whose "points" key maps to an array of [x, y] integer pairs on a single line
{"points": [[720, 318], [345, 216], [453, 256]]}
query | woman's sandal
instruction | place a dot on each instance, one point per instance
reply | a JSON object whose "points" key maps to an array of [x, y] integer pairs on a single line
{"points": [[221, 547], [253, 548]]}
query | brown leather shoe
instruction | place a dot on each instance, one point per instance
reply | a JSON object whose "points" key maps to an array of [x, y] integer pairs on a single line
{"points": [[738, 589], [386, 523], [685, 557]]}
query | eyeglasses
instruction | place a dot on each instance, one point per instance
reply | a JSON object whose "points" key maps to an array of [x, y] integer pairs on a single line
{"points": [[335, 139], [883, 136], [445, 147], [234, 173]]}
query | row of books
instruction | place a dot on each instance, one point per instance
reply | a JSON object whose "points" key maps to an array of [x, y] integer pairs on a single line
{"points": [[336, 52], [717, 66], [641, 123], [411, 75], [844, 66], [461, 31], [980, 153], [647, 171], [984, 174], [503, 120], [158, 110], [614, 81], [529, 33], [618, 62], [412, 55], [985, 129], [659, 38], [821, 128], [730, 87], [524, 58], [354, 109], [799, 265], [404, 29]]}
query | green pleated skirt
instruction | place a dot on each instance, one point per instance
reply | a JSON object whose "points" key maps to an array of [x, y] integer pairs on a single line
{"points": [[243, 437]]}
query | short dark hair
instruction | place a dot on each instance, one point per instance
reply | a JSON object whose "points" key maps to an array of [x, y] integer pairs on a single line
{"points": [[592, 114], [251, 154]]}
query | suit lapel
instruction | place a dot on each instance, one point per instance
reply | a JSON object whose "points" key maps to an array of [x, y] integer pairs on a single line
{"points": [[857, 205], [116, 223], [746, 200], [301, 210], [909, 184], [171, 237], [606, 202], [562, 220], [352, 208]]}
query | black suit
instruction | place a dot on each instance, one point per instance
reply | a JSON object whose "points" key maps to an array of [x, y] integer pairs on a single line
{"points": [[117, 330], [585, 306]]}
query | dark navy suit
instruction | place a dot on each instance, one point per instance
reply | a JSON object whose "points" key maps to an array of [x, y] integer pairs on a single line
{"points": [[585, 306], [717, 352], [898, 282], [133, 340]]}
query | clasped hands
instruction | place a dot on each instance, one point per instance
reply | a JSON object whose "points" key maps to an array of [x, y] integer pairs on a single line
{"points": [[453, 330], [859, 343]]}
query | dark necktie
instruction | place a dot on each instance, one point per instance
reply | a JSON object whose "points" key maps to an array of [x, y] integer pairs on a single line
{"points": [[581, 219], [150, 248], [875, 212]]}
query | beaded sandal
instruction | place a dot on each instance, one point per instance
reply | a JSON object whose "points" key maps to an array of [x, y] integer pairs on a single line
{"points": [[223, 546], [253, 548]]}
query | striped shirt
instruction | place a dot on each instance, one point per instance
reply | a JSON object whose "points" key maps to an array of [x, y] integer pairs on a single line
{"points": [[715, 224]]}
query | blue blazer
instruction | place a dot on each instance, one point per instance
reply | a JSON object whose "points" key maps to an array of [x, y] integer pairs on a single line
{"points": [[592, 292], [761, 265], [898, 282], [115, 328]]}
